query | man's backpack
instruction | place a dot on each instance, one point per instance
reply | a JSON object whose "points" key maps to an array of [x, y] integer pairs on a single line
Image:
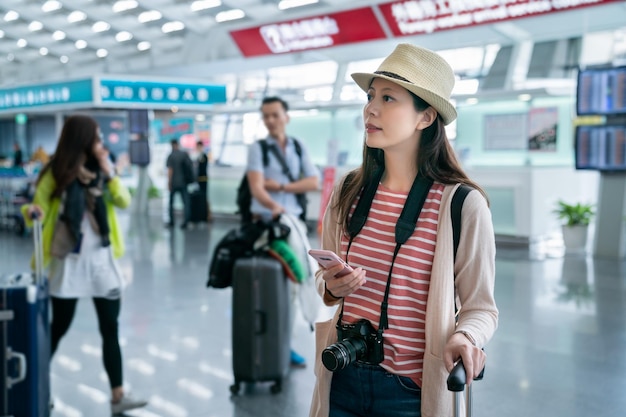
{"points": [[240, 242], [244, 196]]}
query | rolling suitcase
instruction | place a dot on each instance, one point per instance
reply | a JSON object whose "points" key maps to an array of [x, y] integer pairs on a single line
{"points": [[456, 384], [25, 341], [260, 324], [199, 211]]}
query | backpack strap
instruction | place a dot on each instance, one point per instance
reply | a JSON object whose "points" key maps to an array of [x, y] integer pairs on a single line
{"points": [[299, 152], [455, 209], [264, 152], [359, 216], [274, 150]]}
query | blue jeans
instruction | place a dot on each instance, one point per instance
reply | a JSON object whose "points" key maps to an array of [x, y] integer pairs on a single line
{"points": [[368, 390]]}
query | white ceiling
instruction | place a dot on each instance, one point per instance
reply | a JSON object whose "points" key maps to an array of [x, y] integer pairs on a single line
{"points": [[204, 49]]}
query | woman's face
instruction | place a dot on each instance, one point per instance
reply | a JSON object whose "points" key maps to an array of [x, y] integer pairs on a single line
{"points": [[391, 121]]}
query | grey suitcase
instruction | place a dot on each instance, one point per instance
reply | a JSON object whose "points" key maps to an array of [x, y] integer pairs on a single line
{"points": [[260, 324]]}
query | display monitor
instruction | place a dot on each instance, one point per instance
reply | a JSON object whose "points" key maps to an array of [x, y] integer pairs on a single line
{"points": [[139, 122], [601, 91], [139, 152], [601, 147]]}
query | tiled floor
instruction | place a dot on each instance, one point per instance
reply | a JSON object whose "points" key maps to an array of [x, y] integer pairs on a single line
{"points": [[560, 349]]}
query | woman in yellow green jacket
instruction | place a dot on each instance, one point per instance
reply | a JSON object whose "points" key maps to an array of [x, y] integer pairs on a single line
{"points": [[76, 196]]}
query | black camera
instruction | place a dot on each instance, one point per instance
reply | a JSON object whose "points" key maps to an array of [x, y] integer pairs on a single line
{"points": [[357, 342]]}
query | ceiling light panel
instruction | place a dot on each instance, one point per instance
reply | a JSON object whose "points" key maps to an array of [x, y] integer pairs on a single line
{"points": [[172, 27], [51, 6], [124, 5], [149, 16], [200, 5], [228, 15], [144, 46], [11, 16], [289, 4], [80, 44], [100, 26], [123, 36], [59, 35], [76, 16], [35, 25]]}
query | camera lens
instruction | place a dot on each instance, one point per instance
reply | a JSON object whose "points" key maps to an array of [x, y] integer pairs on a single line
{"points": [[341, 354]]}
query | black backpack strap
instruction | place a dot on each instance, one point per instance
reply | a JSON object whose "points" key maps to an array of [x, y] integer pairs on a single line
{"points": [[359, 216], [296, 143], [455, 211], [264, 149], [274, 150]]}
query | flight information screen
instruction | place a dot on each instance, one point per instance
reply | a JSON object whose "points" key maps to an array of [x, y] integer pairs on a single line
{"points": [[601, 91], [601, 147]]}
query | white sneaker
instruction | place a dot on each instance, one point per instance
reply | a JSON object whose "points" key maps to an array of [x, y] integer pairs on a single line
{"points": [[126, 403]]}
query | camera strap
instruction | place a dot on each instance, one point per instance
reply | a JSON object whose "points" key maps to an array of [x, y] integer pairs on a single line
{"points": [[404, 227]]}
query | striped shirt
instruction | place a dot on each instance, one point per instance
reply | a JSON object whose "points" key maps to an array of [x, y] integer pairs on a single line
{"points": [[372, 249]]}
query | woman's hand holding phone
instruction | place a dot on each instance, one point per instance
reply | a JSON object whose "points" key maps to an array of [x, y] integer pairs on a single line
{"points": [[341, 279], [329, 259]]}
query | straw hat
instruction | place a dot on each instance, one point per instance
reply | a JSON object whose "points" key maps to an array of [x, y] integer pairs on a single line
{"points": [[422, 72]]}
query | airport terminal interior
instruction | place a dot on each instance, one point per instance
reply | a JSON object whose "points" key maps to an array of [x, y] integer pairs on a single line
{"points": [[558, 350], [541, 99]]}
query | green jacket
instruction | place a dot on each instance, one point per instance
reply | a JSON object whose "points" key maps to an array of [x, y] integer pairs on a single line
{"points": [[115, 195]]}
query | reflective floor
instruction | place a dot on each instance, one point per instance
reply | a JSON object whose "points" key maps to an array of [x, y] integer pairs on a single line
{"points": [[560, 349]]}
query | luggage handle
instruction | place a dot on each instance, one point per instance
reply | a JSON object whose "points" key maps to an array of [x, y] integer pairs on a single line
{"points": [[456, 379], [21, 365], [38, 243], [261, 322], [456, 384]]}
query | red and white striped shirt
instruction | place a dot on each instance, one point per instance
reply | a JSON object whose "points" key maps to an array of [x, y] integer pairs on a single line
{"points": [[372, 249]]}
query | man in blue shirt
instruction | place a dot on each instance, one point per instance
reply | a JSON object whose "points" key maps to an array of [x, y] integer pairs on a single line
{"points": [[272, 190]]}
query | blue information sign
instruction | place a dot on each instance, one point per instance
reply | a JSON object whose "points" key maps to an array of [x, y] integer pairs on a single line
{"points": [[37, 95], [165, 93]]}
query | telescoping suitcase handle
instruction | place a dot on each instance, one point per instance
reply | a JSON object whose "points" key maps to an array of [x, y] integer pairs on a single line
{"points": [[38, 243], [456, 384]]}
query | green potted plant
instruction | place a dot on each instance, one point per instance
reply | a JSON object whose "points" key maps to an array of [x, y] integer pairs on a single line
{"points": [[575, 227], [154, 192]]}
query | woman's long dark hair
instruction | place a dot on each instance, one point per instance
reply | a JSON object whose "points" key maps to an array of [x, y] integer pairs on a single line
{"points": [[75, 148], [435, 159]]}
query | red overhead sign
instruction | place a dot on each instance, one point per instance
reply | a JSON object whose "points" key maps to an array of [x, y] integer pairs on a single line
{"points": [[415, 17], [315, 32]]}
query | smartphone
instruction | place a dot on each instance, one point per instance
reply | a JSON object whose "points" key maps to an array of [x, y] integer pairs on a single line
{"points": [[328, 259]]}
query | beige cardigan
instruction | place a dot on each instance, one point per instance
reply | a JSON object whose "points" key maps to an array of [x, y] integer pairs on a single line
{"points": [[475, 276]]}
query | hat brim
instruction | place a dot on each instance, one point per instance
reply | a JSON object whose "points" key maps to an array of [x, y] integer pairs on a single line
{"points": [[445, 109]]}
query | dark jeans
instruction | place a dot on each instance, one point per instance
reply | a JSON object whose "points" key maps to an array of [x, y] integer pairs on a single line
{"points": [[184, 194], [108, 311], [368, 391]]}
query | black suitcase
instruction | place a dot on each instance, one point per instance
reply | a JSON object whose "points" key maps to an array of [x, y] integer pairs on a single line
{"points": [[199, 211], [260, 324], [25, 341]]}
